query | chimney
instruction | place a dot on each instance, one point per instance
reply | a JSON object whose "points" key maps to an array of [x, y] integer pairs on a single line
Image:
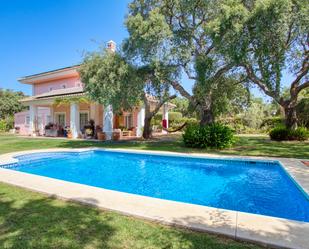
{"points": [[111, 46]]}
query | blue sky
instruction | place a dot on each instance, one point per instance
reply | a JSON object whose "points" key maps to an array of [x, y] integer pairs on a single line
{"points": [[42, 35]]}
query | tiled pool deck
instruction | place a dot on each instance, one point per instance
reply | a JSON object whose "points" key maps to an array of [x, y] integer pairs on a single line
{"points": [[265, 230]]}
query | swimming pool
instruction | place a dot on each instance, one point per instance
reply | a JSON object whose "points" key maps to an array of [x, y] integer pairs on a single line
{"points": [[258, 187]]}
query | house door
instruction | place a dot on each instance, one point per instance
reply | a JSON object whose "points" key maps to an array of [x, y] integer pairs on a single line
{"points": [[60, 119], [128, 121], [83, 119]]}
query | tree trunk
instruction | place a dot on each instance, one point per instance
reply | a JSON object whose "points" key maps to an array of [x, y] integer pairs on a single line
{"points": [[289, 107], [206, 111], [207, 116], [290, 117], [147, 132]]}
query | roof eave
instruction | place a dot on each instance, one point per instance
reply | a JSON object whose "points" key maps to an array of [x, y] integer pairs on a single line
{"points": [[49, 75]]}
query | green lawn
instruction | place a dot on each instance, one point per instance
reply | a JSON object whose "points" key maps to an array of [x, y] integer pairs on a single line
{"points": [[32, 220], [245, 146]]}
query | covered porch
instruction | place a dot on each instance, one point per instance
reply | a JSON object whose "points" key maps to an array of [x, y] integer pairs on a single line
{"points": [[83, 120], [69, 115]]}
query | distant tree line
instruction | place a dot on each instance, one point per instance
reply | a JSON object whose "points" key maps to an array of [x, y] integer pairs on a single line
{"points": [[9, 105]]}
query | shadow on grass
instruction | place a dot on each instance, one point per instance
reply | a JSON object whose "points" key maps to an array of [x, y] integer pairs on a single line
{"points": [[31, 220], [40, 223]]}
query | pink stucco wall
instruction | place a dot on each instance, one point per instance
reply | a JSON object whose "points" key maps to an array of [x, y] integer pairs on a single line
{"points": [[44, 112], [20, 120], [56, 84]]}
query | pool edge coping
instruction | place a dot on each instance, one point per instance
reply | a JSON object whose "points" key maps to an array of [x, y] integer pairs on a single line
{"points": [[265, 230]]}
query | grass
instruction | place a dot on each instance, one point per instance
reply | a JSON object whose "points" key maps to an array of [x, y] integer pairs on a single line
{"points": [[32, 220], [244, 146]]}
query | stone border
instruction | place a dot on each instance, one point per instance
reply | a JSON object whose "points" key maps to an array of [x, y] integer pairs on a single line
{"points": [[262, 229]]}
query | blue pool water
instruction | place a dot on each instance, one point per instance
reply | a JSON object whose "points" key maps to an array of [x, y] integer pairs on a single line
{"points": [[253, 187]]}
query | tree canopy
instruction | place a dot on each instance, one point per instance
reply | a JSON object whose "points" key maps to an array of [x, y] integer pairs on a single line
{"points": [[179, 34], [256, 41], [10, 103], [110, 80], [272, 40]]}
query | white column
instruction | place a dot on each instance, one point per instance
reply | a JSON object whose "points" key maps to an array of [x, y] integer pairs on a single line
{"points": [[92, 110], [108, 122], [51, 113], [33, 111], [140, 122], [74, 120], [165, 116], [96, 114]]}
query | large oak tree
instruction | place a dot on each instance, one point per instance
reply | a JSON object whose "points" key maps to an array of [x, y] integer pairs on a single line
{"points": [[272, 40], [179, 34]]}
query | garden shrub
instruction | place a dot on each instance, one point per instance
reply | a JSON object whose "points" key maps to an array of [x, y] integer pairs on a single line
{"points": [[303, 113], [6, 124], [300, 134], [282, 133], [190, 121], [279, 133], [175, 120], [209, 136], [176, 124], [2, 125], [174, 116], [272, 122], [239, 126], [157, 118]]}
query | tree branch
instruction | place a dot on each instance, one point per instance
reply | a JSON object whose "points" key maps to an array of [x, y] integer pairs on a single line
{"points": [[186, 70], [158, 106], [251, 75], [287, 42], [302, 73], [209, 49], [179, 88], [221, 71], [303, 86]]}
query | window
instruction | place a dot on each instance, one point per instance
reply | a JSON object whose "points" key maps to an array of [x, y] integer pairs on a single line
{"points": [[48, 119], [83, 119], [60, 119], [128, 121], [40, 123], [27, 120]]}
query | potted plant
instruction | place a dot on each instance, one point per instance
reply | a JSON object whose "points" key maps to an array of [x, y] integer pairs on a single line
{"points": [[116, 134], [101, 136], [69, 133], [88, 133]]}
